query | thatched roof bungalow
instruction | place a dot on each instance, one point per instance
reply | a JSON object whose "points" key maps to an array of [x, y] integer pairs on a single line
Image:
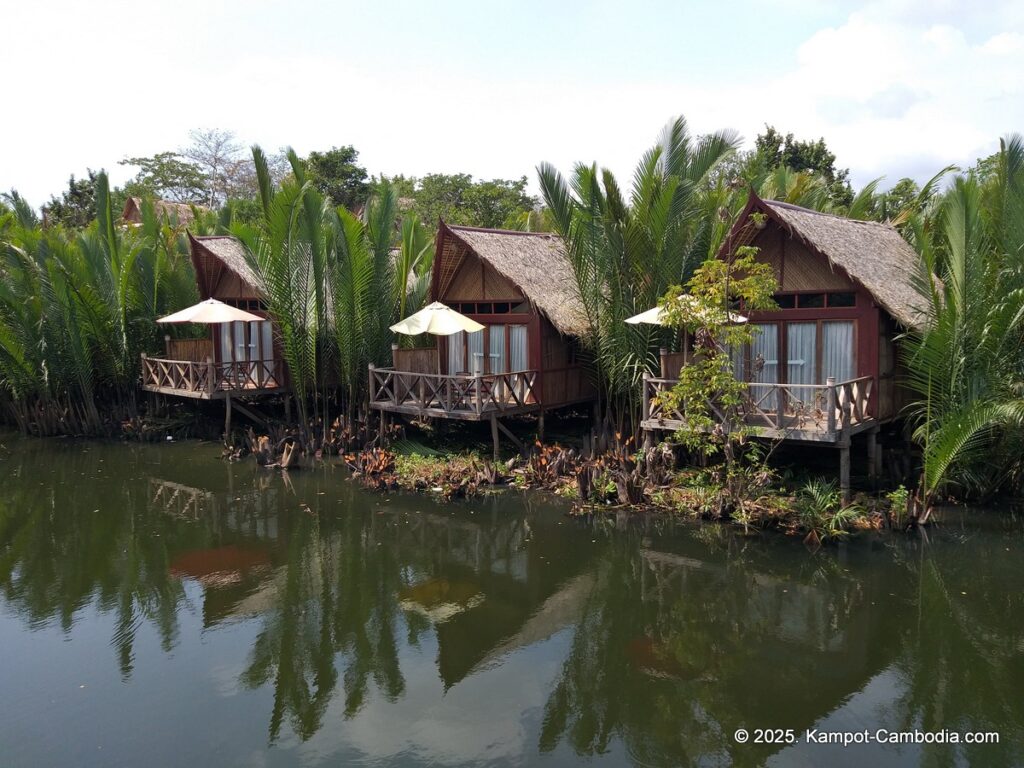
{"points": [[846, 292], [238, 356], [520, 287], [180, 214]]}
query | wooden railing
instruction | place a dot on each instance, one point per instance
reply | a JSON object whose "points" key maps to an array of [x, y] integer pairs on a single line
{"points": [[829, 408], [209, 377], [458, 395]]}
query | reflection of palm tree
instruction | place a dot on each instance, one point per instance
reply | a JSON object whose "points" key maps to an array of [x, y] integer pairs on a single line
{"points": [[339, 597], [59, 555], [674, 673], [962, 665]]}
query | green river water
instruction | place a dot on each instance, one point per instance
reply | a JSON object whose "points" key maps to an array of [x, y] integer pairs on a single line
{"points": [[159, 607]]}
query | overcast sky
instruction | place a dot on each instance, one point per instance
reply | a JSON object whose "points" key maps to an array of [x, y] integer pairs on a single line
{"points": [[897, 88]]}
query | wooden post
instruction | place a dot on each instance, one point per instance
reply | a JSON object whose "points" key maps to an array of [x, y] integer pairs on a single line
{"points": [[646, 412], [647, 397], [780, 406], [661, 362], [211, 382], [167, 345], [394, 356], [227, 417], [494, 436], [288, 408], [844, 470], [478, 396], [830, 404], [540, 425], [873, 455]]}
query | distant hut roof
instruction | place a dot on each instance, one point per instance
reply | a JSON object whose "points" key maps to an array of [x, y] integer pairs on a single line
{"points": [[871, 253], [536, 262], [230, 253], [183, 213]]}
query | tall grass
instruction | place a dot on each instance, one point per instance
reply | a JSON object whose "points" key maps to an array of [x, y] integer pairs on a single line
{"points": [[77, 309]]}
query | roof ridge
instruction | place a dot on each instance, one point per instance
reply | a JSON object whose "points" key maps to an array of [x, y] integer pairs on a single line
{"points": [[840, 217], [496, 231]]}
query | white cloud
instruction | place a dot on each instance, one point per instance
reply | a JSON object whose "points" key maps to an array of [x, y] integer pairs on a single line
{"points": [[899, 87]]}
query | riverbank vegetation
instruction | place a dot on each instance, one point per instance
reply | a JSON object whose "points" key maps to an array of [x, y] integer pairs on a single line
{"points": [[344, 254]]}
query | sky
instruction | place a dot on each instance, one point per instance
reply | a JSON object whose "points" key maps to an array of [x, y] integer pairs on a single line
{"points": [[897, 88]]}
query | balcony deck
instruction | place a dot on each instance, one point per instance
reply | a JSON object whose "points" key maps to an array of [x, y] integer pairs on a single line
{"points": [[212, 381], [818, 413], [453, 396]]}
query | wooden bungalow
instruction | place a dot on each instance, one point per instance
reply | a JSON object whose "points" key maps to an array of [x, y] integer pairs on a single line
{"points": [[181, 214], [235, 359], [520, 287], [824, 365]]}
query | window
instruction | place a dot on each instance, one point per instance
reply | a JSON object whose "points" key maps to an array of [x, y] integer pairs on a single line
{"points": [[785, 300], [842, 299], [498, 348], [798, 353], [833, 300], [810, 300]]}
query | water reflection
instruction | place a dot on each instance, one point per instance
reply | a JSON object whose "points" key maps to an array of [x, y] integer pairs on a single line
{"points": [[395, 629]]}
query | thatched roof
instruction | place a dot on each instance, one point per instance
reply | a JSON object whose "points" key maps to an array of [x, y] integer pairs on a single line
{"points": [[536, 262], [232, 254], [871, 253], [182, 213]]}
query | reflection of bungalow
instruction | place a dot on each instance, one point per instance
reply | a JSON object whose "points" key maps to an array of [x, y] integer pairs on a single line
{"points": [[823, 366], [520, 287], [179, 214], [239, 358]]}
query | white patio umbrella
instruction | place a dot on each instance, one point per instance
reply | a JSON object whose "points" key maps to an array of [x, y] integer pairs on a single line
{"points": [[437, 319], [210, 311], [656, 316]]}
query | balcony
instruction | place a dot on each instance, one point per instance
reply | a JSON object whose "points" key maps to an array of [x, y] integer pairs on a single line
{"points": [[453, 396], [208, 380], [828, 413]]}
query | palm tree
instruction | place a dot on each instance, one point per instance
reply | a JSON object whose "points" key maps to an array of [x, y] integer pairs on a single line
{"points": [[967, 365], [625, 255]]}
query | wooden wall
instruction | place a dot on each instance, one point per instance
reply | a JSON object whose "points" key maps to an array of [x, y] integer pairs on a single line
{"points": [[196, 350], [418, 360]]}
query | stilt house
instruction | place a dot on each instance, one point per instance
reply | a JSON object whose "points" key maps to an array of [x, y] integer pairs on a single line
{"points": [[824, 365]]}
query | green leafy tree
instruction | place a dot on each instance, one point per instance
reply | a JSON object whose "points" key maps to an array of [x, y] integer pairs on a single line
{"points": [[457, 199], [772, 149], [76, 206], [712, 399], [336, 174], [167, 176]]}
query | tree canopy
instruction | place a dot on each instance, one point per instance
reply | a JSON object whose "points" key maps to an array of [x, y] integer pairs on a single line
{"points": [[336, 174]]}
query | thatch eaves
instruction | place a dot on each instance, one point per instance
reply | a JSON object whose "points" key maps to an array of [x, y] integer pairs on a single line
{"points": [[537, 263], [871, 253], [231, 254]]}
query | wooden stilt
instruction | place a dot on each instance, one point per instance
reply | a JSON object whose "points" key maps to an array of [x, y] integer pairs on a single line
{"points": [[510, 435], [227, 417], [540, 426], [288, 408], [494, 435], [873, 455], [844, 470]]}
